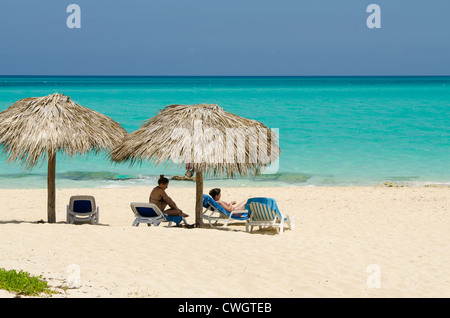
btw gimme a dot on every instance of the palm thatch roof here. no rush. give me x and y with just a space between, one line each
39 126
205 136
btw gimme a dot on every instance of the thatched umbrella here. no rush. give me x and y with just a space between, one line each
41 126
204 137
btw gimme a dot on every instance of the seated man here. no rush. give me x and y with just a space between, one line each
159 197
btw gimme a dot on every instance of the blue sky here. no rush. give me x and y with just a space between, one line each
212 37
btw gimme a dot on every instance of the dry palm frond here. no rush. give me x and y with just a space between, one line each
205 136
39 126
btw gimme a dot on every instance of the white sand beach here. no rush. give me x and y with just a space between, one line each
340 235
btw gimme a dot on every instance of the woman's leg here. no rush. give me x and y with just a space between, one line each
240 206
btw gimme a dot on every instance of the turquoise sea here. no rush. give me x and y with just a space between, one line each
334 131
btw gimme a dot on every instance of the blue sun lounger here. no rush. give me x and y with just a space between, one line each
149 213
214 212
264 212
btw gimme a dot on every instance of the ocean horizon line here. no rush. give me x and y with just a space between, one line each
235 76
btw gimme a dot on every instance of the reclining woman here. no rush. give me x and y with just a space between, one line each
229 207
159 197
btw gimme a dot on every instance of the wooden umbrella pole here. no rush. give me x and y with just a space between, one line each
199 199
51 188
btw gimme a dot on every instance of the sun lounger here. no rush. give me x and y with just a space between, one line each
214 212
264 212
149 213
82 208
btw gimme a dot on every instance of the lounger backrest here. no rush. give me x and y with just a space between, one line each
263 209
82 203
210 203
148 210
82 206
261 212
